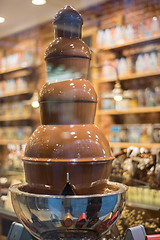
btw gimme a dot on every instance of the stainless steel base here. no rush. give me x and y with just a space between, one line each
51 217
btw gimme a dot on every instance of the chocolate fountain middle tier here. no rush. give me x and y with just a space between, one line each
68 102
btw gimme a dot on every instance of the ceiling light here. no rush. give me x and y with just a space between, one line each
2 19
38 2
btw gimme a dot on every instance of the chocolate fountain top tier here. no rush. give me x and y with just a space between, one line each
68 23
67 33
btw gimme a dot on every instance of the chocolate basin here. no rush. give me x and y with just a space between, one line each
55 153
67 217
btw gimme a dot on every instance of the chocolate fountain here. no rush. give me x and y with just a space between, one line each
67 159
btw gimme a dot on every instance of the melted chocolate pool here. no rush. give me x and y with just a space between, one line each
103 188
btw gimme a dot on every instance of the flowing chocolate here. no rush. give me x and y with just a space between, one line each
67 143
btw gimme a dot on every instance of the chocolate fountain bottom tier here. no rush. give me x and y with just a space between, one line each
84 177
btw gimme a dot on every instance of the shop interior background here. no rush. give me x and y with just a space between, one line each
124 37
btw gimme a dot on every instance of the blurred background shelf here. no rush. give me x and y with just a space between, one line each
18 142
15 93
143 206
129 111
16 118
18 68
131 76
130 43
128 144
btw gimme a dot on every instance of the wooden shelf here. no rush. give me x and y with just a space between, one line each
6 142
128 144
15 93
129 111
10 172
143 206
9 70
15 118
131 76
130 43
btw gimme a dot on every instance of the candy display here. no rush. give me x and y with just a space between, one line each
139 216
14 156
138 167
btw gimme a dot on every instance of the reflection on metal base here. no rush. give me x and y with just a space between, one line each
68 217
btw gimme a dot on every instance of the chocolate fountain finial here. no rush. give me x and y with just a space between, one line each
68 23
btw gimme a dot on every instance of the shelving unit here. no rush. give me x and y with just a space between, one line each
137 110
114 116
16 100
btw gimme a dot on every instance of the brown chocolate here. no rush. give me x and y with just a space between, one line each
104 188
69 90
67 47
68 144
53 112
68 23
53 175
68 102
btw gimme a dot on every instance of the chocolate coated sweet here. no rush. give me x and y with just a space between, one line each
67 149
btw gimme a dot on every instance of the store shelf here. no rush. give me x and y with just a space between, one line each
129 111
130 43
4 172
15 93
9 70
131 76
18 142
143 206
15 118
128 144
